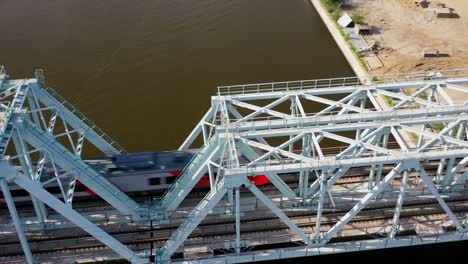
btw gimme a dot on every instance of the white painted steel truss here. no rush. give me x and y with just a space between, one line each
390 130
47 137
268 129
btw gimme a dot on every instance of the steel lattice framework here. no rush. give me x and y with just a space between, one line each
47 131
392 129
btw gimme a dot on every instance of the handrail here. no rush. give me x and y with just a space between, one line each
84 119
3 75
339 82
189 166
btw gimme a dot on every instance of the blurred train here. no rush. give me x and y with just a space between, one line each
137 173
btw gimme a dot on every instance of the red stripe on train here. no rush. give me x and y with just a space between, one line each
89 191
205 180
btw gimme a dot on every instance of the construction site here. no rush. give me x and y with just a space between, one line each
410 36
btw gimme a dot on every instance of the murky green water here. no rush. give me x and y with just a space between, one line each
144 70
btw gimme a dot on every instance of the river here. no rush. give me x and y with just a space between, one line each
144 70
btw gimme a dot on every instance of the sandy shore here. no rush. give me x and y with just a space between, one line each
405 30
353 61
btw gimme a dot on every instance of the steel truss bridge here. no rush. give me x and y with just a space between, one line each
398 177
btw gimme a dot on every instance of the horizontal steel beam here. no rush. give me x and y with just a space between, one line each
332 163
411 116
36 189
340 89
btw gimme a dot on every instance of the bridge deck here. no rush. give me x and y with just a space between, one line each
400 179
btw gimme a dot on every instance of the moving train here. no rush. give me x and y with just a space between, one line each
136 173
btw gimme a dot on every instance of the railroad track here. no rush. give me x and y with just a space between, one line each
90 204
152 237
260 223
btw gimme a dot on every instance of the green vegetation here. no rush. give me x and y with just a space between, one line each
414 136
423 96
333 7
389 100
357 18
376 80
356 53
437 127
406 92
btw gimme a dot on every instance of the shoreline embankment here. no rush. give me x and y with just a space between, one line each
350 56
354 62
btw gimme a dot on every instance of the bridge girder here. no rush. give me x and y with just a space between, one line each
268 128
261 129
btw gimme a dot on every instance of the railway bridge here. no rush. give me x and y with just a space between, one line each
382 164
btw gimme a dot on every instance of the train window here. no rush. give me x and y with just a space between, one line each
16 193
154 181
112 169
170 180
179 159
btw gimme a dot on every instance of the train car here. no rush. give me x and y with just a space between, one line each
136 173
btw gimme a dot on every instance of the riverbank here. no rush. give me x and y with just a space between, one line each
345 48
353 58
415 37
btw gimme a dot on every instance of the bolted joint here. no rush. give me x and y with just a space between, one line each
410 164
7 171
234 181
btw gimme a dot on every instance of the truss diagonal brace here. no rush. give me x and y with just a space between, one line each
272 177
427 180
363 202
84 173
16 220
36 189
193 220
197 130
75 122
278 212
191 175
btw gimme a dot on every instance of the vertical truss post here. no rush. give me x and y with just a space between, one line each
440 169
230 199
237 220
304 175
17 221
401 196
33 108
421 137
449 175
211 176
376 173
27 168
373 170
362 106
294 113
318 219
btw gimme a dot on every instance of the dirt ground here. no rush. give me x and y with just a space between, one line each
404 31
